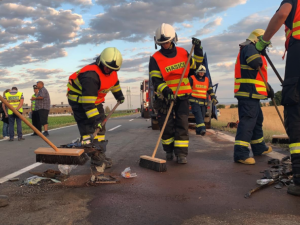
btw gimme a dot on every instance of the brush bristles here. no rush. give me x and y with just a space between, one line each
159 167
66 160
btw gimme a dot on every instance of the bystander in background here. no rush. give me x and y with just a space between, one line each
16 99
4 119
42 105
34 113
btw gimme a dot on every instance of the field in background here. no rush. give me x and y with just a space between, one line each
56 122
271 125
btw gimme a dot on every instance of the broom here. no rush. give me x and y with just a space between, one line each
65 156
150 162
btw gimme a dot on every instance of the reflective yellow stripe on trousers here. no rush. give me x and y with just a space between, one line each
181 143
167 141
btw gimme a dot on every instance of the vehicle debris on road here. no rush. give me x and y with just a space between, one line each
127 173
280 174
3 200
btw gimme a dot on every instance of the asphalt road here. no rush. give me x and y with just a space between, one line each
209 189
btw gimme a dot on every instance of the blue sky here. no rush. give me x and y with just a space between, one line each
49 40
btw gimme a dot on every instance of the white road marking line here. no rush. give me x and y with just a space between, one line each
131 120
48 130
272 154
114 128
15 174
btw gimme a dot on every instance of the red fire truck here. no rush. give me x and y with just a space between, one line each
144 96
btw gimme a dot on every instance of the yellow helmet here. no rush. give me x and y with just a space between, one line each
111 57
253 37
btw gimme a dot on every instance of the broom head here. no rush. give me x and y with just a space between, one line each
152 163
66 156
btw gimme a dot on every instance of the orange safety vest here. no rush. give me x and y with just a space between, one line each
172 69
295 32
258 81
200 88
107 82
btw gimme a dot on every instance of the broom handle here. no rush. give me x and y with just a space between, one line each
268 88
28 124
172 103
107 118
273 67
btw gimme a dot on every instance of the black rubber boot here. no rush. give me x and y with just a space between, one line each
169 156
203 132
98 158
294 190
181 159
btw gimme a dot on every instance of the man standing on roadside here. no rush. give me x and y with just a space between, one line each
16 99
289 14
34 113
42 105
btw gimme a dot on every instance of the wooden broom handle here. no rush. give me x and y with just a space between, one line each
28 123
268 88
107 118
172 103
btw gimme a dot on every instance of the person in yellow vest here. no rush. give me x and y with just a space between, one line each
289 15
166 67
87 89
16 99
34 113
249 89
200 88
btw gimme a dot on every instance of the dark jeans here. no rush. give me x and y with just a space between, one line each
36 121
12 119
199 113
249 130
5 129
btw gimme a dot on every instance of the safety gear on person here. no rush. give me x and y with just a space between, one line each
261 45
267 151
111 57
243 86
87 141
196 42
214 101
294 190
165 33
249 161
181 160
106 86
14 100
98 125
253 37
201 69
121 100
200 88
169 156
171 70
295 30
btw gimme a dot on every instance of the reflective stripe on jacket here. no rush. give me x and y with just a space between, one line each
200 88
107 84
251 88
14 100
295 32
33 103
172 69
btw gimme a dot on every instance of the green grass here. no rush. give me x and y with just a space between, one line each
56 122
219 125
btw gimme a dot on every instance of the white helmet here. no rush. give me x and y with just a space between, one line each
201 69
165 33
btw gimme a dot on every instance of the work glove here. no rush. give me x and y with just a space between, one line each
214 101
196 42
261 45
121 99
87 141
168 94
271 92
98 125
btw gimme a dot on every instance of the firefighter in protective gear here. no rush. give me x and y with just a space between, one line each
289 15
87 89
200 88
249 89
166 67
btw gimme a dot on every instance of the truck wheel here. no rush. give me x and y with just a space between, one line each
154 124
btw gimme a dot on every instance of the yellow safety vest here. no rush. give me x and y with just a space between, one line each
33 103
14 100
